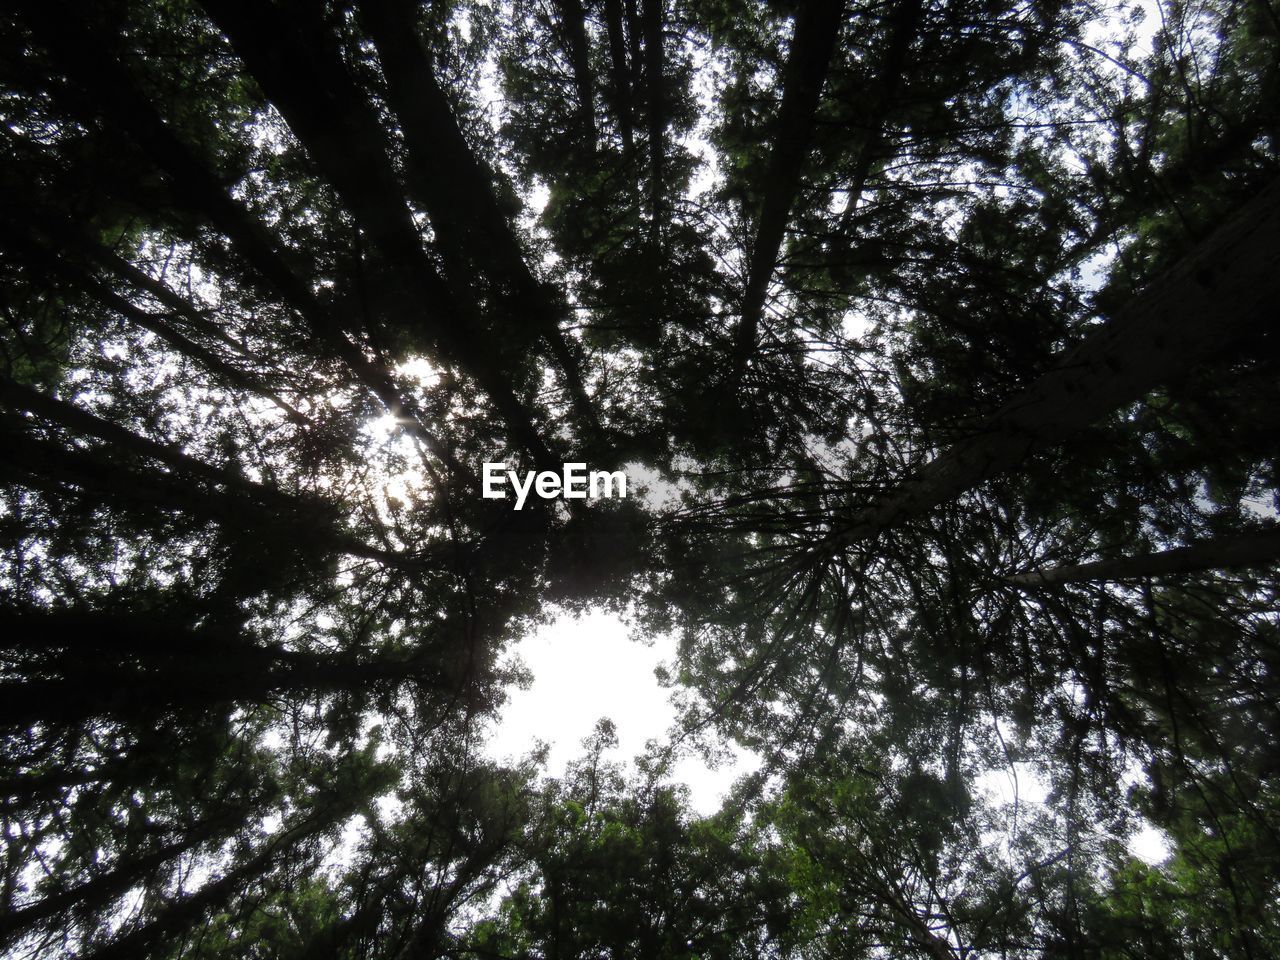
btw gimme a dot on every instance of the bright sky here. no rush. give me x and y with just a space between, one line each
588 667
585 668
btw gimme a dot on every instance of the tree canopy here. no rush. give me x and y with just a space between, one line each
943 336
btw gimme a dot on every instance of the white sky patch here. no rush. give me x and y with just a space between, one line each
657 491
1023 783
708 79
588 667
1151 845
1141 20
1019 782
537 198
420 370
1263 508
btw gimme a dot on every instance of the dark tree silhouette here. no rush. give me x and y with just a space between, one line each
946 328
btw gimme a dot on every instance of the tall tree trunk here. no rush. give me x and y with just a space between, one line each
136 665
36 254
1260 549
651 23
619 72
904 24
634 50
1221 293
189 348
573 20
293 58
110 91
49 466
457 191
80 422
240 502
816 31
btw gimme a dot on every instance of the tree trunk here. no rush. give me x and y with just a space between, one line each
1259 549
619 72
1223 292
100 891
634 50
573 20
456 189
95 663
83 56
651 23
50 251
239 506
299 68
904 24
816 31
81 423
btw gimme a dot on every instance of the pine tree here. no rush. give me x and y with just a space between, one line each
951 323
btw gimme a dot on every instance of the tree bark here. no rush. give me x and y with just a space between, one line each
456 189
81 422
1223 292
1259 549
651 23
903 26
239 505
95 663
210 360
816 31
295 62
573 20
110 92
619 72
